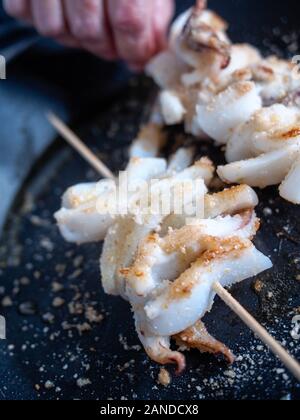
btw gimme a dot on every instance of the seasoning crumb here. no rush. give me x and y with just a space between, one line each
164 378
58 302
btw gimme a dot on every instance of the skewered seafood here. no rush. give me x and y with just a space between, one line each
229 93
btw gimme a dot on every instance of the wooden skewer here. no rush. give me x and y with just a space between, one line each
292 365
78 145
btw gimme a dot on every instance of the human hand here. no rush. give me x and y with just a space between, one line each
131 30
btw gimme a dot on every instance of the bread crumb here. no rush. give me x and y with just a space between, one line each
164 378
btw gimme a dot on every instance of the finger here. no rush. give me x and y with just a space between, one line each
88 24
19 9
131 24
48 17
162 16
68 41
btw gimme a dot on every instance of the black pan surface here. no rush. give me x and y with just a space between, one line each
49 289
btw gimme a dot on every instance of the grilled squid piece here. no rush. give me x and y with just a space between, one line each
219 115
241 57
188 298
231 201
190 97
205 31
276 81
240 144
274 128
231 94
118 256
197 337
202 169
158 350
181 159
88 209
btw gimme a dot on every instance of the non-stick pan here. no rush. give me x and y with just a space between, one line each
55 349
